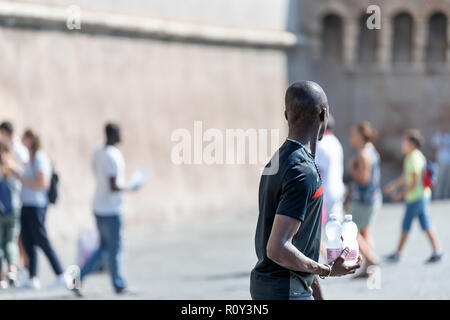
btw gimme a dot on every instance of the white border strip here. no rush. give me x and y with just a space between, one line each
152 27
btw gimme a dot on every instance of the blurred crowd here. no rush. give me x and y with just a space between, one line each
29 184
362 196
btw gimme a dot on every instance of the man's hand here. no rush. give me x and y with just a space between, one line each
397 197
389 188
339 269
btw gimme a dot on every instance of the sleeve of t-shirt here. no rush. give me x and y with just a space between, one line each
21 153
42 164
418 164
414 165
295 194
111 165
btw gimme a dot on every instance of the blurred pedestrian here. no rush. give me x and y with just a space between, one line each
35 181
365 196
330 161
19 150
441 154
22 157
9 218
410 187
109 168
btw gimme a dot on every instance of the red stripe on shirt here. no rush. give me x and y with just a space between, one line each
318 192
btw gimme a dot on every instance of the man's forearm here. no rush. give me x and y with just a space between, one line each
291 258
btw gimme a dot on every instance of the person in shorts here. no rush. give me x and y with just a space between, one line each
410 187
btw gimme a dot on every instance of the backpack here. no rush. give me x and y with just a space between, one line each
5 198
430 174
52 192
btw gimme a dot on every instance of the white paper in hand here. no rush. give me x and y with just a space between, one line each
138 178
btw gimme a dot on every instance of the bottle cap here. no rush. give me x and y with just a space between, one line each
348 217
333 216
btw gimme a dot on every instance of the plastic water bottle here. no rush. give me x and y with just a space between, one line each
333 230
350 233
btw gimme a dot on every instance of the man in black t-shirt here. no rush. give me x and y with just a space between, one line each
288 232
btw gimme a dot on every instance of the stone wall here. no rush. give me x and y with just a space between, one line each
68 85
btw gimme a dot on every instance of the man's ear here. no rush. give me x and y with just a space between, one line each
285 115
322 115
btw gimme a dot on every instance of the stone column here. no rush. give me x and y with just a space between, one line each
447 56
384 47
420 33
350 42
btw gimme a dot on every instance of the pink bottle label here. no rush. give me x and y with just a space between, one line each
333 254
352 255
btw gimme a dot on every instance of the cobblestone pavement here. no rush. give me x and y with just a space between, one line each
210 258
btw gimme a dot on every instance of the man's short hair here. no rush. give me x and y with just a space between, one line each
111 129
415 137
8 127
303 100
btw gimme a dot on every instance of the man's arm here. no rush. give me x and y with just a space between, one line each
390 188
407 188
281 250
114 186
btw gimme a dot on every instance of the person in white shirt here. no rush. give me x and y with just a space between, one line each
35 179
441 153
19 150
330 161
109 167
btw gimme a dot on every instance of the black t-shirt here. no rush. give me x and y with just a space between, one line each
295 190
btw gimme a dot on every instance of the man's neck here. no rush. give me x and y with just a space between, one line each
308 139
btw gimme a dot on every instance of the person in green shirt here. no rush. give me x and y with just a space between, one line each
410 187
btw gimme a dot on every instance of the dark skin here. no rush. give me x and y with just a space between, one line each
280 248
112 140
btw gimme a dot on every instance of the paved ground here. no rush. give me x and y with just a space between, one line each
210 258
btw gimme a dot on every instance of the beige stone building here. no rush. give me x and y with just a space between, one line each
155 66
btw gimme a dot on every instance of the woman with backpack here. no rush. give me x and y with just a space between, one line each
9 219
35 181
414 190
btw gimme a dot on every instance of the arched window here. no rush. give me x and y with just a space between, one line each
437 38
332 37
403 38
367 42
